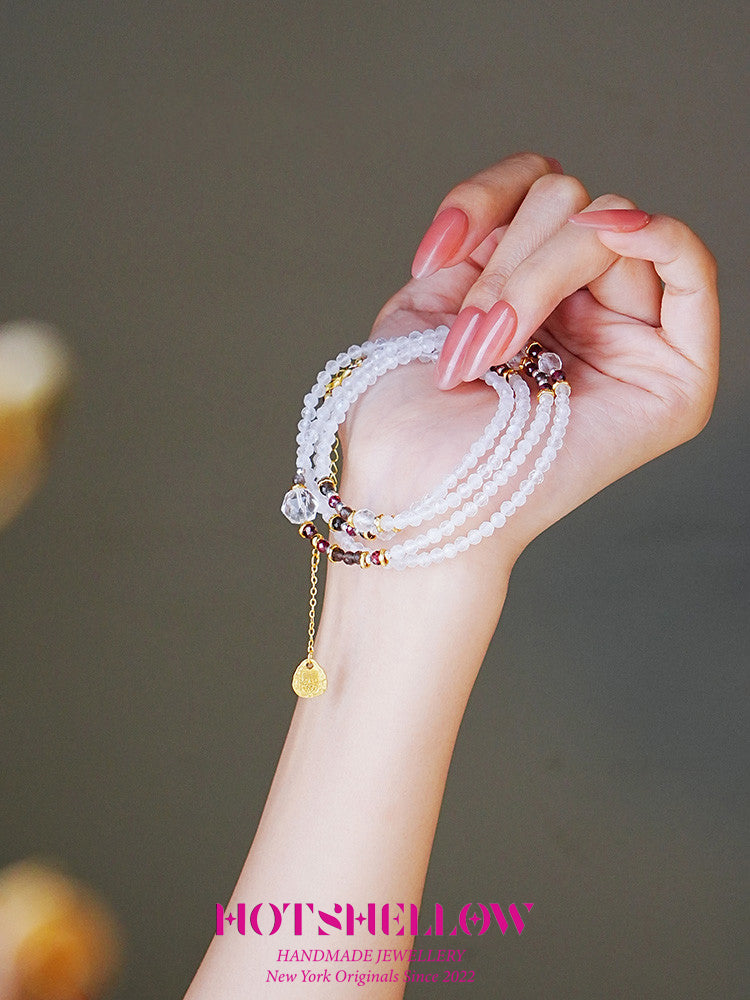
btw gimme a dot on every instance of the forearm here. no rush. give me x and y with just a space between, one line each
352 811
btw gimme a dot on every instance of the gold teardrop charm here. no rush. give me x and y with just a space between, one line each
309 679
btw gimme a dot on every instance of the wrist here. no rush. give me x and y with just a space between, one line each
410 627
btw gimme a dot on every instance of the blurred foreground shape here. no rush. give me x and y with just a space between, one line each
35 378
57 940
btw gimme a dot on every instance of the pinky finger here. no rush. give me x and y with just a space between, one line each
690 306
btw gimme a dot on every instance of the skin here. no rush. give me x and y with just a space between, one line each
352 811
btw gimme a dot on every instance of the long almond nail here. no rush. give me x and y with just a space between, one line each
491 338
441 241
451 357
613 220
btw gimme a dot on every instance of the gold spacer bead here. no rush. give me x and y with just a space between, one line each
384 559
542 391
561 382
364 559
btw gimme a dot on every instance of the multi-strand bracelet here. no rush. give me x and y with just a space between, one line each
491 462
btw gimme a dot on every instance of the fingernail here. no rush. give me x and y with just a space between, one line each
491 338
441 241
451 357
555 164
613 220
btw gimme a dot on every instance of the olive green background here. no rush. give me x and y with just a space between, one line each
210 200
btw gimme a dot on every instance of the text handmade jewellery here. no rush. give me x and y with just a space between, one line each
495 458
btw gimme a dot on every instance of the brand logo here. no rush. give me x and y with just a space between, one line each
399 919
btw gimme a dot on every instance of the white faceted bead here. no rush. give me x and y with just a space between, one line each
507 508
433 536
470 509
474 537
498 520
485 529
450 551
462 543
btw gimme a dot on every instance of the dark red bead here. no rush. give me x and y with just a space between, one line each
337 554
334 500
322 545
307 530
557 376
326 487
337 523
350 530
351 558
375 557
345 511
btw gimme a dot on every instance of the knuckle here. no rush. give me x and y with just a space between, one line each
561 188
488 288
530 162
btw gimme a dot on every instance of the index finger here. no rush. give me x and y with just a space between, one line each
469 213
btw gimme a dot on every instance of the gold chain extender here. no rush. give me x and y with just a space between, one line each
309 678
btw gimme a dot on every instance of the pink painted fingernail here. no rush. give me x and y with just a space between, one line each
451 357
441 241
491 339
613 220
555 164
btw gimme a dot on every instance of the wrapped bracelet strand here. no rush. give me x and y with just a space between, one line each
492 461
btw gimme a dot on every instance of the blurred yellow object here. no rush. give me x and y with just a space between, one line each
35 376
57 941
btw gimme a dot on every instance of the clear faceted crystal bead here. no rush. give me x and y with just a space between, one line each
364 521
299 505
549 362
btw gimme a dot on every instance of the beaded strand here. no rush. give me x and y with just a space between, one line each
492 461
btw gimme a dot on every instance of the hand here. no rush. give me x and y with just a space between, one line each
502 263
